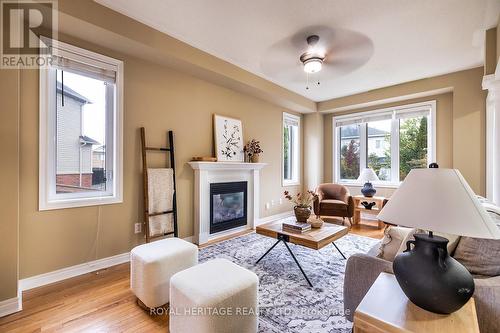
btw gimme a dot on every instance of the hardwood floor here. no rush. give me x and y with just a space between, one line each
367 228
98 302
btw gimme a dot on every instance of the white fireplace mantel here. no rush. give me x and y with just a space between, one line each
226 166
206 173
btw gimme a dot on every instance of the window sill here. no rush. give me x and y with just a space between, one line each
75 203
286 183
394 186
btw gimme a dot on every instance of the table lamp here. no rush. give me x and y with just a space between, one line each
436 200
367 176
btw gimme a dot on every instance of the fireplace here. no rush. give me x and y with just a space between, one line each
213 173
228 206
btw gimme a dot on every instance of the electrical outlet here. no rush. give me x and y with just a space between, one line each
138 228
281 201
272 202
267 205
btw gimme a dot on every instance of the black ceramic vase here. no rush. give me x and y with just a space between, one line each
430 277
368 190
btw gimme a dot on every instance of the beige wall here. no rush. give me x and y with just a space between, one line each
159 99
9 178
313 150
444 136
490 51
468 117
498 39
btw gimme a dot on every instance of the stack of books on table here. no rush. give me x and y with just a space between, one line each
299 227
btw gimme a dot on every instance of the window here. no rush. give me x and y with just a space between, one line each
80 129
349 152
291 149
390 141
379 148
413 144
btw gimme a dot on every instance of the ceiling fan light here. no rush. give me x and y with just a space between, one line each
313 65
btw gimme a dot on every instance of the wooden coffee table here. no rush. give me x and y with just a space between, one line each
314 239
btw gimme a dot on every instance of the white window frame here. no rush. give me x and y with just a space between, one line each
48 198
296 153
431 141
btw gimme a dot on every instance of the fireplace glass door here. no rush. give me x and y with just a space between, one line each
228 206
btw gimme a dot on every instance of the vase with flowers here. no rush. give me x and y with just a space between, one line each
303 203
252 150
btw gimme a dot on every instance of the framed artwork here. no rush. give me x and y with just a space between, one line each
228 135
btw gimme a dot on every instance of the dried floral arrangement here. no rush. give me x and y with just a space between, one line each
303 200
252 148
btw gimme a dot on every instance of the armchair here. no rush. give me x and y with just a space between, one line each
334 200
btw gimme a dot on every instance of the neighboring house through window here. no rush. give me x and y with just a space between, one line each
390 141
74 150
80 129
291 150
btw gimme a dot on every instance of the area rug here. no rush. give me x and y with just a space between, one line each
286 302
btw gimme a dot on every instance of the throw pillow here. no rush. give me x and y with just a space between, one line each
480 256
393 236
452 240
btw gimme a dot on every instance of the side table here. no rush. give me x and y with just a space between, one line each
358 208
386 309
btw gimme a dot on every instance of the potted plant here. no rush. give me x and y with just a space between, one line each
252 150
303 202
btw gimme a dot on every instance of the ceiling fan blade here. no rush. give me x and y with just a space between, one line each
278 60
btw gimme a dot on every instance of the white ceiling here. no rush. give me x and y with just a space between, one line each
372 44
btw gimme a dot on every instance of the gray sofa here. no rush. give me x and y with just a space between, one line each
363 269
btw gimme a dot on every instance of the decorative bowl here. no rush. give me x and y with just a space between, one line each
316 223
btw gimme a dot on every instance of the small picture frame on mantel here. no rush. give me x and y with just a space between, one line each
228 139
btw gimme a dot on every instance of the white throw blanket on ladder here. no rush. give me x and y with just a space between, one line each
161 199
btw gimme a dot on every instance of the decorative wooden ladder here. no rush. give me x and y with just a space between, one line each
147 214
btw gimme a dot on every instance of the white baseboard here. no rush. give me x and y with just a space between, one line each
11 305
69 272
274 217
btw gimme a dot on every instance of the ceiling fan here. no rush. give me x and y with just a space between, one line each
332 51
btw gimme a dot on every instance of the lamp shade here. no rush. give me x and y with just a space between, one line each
439 200
368 175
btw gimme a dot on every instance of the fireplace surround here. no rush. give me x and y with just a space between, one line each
207 173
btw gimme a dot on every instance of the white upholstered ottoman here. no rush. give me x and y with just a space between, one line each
153 264
214 297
